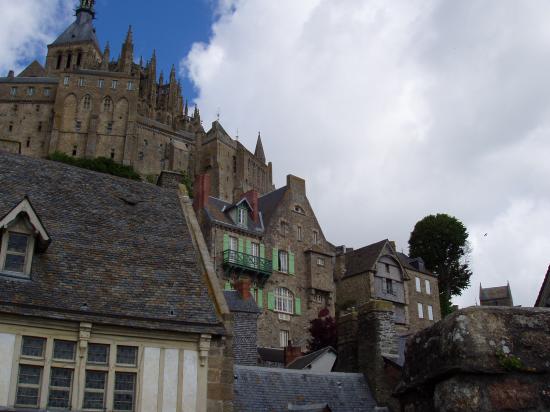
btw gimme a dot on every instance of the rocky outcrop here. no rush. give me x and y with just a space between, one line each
480 359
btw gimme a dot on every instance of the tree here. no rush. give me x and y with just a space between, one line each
323 331
98 164
442 242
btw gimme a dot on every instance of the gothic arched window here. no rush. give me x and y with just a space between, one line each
87 103
107 104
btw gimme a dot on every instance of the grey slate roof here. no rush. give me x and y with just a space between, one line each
306 360
268 203
237 304
260 389
545 286
121 252
217 210
81 31
363 259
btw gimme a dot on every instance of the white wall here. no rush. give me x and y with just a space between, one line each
7 346
324 363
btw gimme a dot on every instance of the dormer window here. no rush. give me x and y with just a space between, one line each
22 234
241 216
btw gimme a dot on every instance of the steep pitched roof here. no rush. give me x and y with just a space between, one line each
260 389
363 259
81 31
34 69
216 211
259 152
306 360
544 287
268 203
121 252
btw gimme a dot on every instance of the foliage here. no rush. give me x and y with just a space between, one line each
508 361
99 164
323 331
442 242
187 181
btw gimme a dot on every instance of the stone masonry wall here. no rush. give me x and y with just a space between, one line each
480 359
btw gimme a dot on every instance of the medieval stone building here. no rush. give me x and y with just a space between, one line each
84 104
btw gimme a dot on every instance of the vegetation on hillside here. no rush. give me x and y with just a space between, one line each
99 164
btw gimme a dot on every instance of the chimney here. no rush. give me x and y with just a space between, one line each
11 74
202 191
296 184
291 353
243 287
252 197
393 245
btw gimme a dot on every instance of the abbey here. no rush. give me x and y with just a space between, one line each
84 104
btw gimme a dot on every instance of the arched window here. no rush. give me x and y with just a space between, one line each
107 104
87 104
58 65
284 301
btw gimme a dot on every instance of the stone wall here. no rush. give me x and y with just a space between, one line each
480 359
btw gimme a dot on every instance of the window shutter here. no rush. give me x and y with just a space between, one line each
241 245
298 306
262 250
275 257
248 247
227 286
270 301
291 263
225 241
260 301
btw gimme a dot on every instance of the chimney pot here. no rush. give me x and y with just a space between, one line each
243 287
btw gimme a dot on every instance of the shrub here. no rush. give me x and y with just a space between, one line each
99 164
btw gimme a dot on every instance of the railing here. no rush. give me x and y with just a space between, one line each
247 262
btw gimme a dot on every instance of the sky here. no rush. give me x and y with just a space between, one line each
390 110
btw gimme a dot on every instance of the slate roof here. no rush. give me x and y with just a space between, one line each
499 292
81 31
363 259
121 252
545 283
237 304
34 69
268 203
304 361
260 389
406 262
216 211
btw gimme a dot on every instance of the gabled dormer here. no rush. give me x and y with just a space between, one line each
22 235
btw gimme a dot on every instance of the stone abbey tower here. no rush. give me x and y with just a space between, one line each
84 104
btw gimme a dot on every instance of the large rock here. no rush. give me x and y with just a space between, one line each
480 359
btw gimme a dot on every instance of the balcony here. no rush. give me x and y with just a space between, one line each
247 263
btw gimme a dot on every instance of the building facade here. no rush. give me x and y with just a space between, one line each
496 296
84 104
107 302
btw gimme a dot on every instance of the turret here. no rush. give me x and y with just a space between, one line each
127 56
106 57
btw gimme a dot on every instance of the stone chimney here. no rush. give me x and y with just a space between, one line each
292 353
252 197
11 74
202 191
393 245
243 287
296 184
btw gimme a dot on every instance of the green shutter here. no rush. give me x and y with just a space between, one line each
260 301
241 246
227 285
291 263
225 241
298 306
275 257
248 247
270 301
262 250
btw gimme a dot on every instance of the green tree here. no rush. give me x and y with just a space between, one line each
442 242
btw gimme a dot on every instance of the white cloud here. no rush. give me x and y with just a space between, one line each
27 26
394 110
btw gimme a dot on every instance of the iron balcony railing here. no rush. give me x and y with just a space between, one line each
247 262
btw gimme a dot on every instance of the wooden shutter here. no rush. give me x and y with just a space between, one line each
275 257
260 301
227 286
298 306
225 241
248 247
241 245
270 301
291 263
262 250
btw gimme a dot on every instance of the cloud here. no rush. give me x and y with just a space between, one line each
27 26
395 110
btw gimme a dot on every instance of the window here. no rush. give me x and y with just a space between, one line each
64 350
299 209
315 237
75 149
78 59
428 286
82 82
420 311
66 81
112 154
69 58
387 266
37 108
114 84
13 91
58 64
418 287
39 126
241 216
98 354
255 249
126 355
100 83
430 312
60 388
389 287
94 389
28 386
234 164
78 125
30 91
233 247
284 301
140 156
87 102
109 127
284 337
125 387
16 253
320 261
28 142
107 104
299 233
47 92
10 127
33 347
283 261
318 298
130 85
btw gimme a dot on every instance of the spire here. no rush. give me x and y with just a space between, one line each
259 152
186 107
173 74
106 57
161 79
129 36
127 56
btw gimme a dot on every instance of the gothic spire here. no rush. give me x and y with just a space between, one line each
259 152
129 36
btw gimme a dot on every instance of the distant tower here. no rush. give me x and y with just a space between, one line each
259 152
